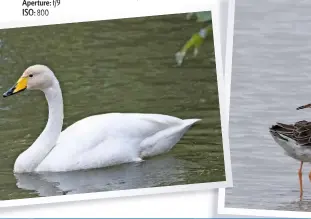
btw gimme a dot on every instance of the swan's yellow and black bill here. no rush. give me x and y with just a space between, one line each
20 85
304 106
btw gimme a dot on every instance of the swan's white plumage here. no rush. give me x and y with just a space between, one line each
114 138
96 141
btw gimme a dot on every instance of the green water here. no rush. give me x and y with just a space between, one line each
112 66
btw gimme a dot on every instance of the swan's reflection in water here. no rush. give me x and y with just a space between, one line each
159 171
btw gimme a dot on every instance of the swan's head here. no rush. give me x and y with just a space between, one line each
36 77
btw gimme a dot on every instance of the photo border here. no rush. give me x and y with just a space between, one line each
144 10
247 212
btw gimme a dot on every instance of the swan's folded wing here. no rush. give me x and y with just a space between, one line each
101 140
90 132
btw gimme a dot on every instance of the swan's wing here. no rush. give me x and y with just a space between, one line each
123 125
90 132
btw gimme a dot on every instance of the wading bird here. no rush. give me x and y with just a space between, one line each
295 139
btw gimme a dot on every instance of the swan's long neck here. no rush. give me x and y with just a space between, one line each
35 154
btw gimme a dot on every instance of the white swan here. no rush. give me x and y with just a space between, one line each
96 141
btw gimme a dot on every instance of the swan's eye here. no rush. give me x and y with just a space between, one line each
31 76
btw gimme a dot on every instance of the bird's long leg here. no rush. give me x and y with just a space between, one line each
300 179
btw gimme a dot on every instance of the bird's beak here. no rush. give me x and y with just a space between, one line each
304 106
20 85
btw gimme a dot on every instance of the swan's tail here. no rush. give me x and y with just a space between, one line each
190 122
164 140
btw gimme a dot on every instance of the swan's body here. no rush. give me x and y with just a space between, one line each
114 138
96 141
